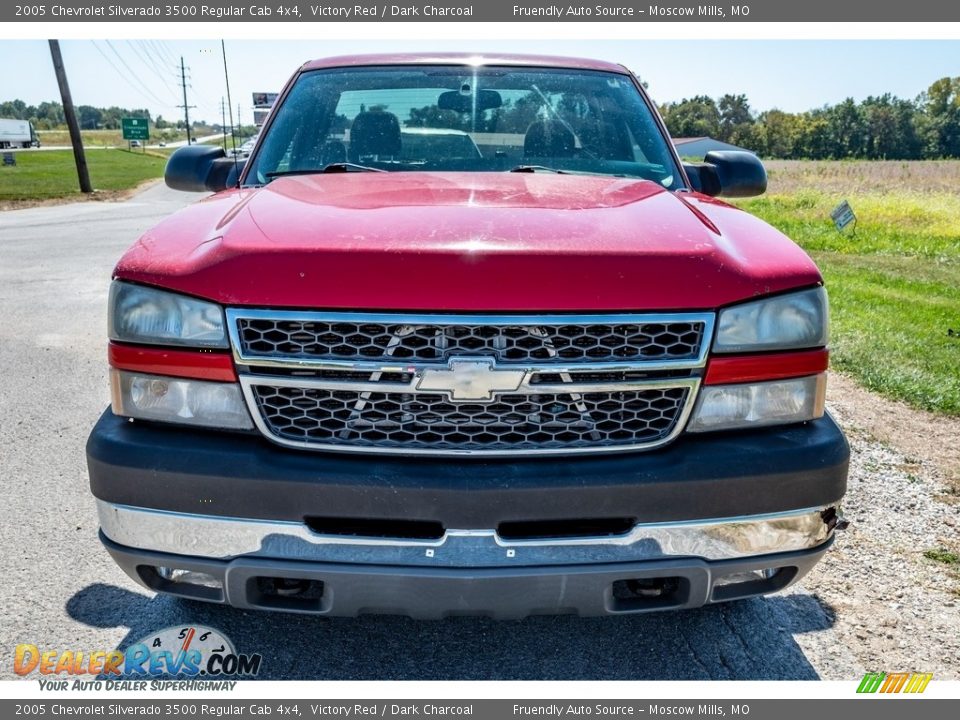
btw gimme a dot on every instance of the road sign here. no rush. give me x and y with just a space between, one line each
843 215
135 128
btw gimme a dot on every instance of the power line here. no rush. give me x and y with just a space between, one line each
140 89
143 58
151 65
164 51
226 77
158 62
133 74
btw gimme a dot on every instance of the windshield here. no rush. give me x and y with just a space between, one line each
483 119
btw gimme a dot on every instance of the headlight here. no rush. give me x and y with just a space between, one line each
785 322
724 407
140 314
176 400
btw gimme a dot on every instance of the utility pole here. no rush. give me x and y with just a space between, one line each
83 175
239 125
226 78
223 123
185 106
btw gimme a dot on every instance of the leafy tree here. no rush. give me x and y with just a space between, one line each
779 132
89 117
14 110
516 115
847 130
693 117
812 141
939 118
430 116
735 118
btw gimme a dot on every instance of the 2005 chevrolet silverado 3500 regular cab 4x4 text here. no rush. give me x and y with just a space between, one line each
464 335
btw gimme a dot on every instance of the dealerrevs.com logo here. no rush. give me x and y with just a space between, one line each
910 683
192 652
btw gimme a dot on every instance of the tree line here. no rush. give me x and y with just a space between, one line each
877 128
883 127
49 116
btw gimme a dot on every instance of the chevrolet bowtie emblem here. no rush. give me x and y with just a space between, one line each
471 379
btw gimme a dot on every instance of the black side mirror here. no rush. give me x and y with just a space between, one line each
202 168
728 173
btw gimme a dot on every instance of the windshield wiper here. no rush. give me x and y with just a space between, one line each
337 167
538 168
558 171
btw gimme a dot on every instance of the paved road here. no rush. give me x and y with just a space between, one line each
175 144
61 590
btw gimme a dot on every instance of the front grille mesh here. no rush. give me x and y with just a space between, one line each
427 421
351 381
314 339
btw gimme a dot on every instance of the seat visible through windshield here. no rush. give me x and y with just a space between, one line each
446 118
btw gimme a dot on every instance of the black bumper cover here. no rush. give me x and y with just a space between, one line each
697 477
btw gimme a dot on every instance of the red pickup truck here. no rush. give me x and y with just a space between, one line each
464 335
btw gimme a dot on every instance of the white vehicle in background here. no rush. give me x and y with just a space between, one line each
247 147
17 134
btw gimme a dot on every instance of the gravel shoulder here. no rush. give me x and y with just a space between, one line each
894 608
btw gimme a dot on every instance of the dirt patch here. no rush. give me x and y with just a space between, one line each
95 196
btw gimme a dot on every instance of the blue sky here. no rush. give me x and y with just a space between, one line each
790 75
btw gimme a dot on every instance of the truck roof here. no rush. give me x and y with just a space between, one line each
452 58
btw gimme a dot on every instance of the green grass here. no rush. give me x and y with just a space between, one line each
894 285
52 174
942 555
106 138
894 223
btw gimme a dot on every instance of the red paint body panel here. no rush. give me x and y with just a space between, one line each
198 364
467 242
723 370
451 58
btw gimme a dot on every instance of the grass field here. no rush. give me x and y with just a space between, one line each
105 138
895 283
52 174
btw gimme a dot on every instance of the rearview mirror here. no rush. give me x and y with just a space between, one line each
202 168
728 173
464 102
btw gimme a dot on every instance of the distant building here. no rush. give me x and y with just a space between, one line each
697 147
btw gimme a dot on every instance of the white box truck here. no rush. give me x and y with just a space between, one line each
17 134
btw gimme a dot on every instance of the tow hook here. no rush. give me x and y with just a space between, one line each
834 519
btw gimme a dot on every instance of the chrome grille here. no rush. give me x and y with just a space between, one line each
469 384
571 342
431 421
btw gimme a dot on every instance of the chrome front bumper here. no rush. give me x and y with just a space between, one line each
221 538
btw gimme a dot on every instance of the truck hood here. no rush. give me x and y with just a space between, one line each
469 242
